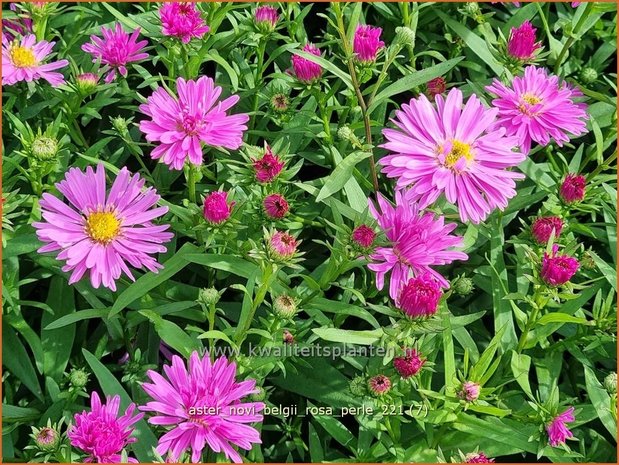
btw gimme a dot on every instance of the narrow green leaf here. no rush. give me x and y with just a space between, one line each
340 175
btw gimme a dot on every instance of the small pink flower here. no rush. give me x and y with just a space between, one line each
363 236
275 206
521 44
367 43
469 391
542 228
379 385
557 431
22 60
436 86
268 167
305 70
410 364
182 20
558 269
477 457
573 188
282 245
216 207
420 296
266 17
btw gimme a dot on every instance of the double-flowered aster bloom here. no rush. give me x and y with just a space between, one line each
22 60
182 20
557 429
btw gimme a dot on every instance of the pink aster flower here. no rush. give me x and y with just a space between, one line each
557 430
266 17
469 391
542 228
573 188
275 206
216 207
537 109
410 364
305 70
99 231
420 296
454 150
436 86
181 124
522 44
379 385
363 236
558 269
268 167
282 245
418 241
182 20
367 43
203 405
477 457
101 433
116 50
22 60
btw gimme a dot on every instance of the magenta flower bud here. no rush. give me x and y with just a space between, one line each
305 70
477 457
542 228
521 44
363 236
436 86
266 17
573 188
275 206
282 245
469 391
558 269
268 167
410 364
87 82
379 385
557 430
287 337
216 207
420 296
367 43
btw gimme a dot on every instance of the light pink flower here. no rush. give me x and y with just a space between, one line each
558 269
181 124
282 245
469 391
522 44
418 241
216 207
535 108
116 50
453 150
222 420
268 167
275 206
379 385
542 228
363 236
367 43
99 231
305 70
101 433
573 188
182 20
22 60
410 364
557 430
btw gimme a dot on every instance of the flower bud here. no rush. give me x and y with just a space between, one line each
610 383
573 188
258 396
268 167
543 227
367 43
282 245
588 75
436 86
265 18
285 307
78 378
47 439
469 391
208 296
463 286
408 365
275 206
521 44
379 385
345 133
305 70
363 236
287 337
280 103
120 124
358 386
86 83
216 207
558 269
477 457
419 297
472 8
404 36
44 148
587 262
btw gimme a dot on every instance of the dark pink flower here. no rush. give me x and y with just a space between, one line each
364 236
477 457
436 86
275 206
521 44
182 20
282 245
469 391
573 188
558 269
305 70
268 167
379 385
542 228
266 17
216 207
410 364
557 431
367 43
420 296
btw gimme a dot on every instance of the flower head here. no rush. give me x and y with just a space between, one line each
86 82
436 86
44 148
282 245
268 167
558 269
275 206
557 430
182 20
419 297
367 43
279 103
266 17
101 433
477 457
305 70
46 438
469 391
410 364
379 385
454 150
536 108
363 236
284 306
543 227
216 207
573 188
418 241
100 231
203 405
116 50
22 60
521 44
181 124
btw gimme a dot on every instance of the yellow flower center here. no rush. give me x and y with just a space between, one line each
102 227
22 57
458 150
531 99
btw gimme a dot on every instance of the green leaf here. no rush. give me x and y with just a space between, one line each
337 430
325 64
521 364
348 336
77 316
19 362
601 401
172 334
341 175
563 318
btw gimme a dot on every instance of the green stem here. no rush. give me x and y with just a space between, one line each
570 40
537 307
258 78
605 165
268 275
192 177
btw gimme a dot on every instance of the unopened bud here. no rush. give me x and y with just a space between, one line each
78 378
44 148
358 386
260 395
208 296
404 36
463 286
284 307
610 383
46 439
588 75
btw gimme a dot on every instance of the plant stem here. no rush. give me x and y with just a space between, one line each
570 40
537 307
258 78
191 193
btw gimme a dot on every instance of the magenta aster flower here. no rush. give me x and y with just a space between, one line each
216 207
573 188
268 167
469 391
116 50
454 150
522 44
282 245
419 297
22 60
182 20
537 109
305 70
418 241
266 17
379 385
367 43
101 433
436 86
410 364
275 206
98 232
181 124
11 28
203 405
363 236
477 457
557 430
542 228
558 269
